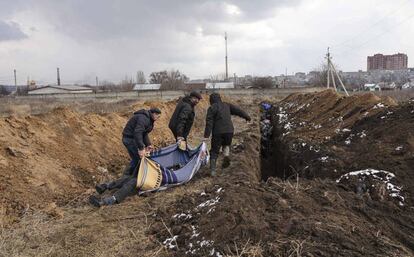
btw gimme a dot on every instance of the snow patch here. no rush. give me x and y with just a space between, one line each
381 175
378 105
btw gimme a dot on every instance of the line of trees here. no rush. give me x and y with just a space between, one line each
169 80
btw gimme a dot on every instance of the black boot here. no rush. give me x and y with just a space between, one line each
97 202
101 188
213 163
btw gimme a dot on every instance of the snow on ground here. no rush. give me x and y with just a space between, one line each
197 242
379 175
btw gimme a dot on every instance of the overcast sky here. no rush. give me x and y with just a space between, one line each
112 39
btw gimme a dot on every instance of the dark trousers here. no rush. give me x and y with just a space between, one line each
132 148
219 140
176 137
127 184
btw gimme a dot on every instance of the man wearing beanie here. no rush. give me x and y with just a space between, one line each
136 140
183 117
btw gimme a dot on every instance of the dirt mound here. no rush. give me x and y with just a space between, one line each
325 135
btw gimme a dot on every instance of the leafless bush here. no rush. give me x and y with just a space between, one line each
263 82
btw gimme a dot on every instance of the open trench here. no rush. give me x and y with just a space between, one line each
274 152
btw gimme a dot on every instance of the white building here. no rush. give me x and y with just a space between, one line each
372 87
66 89
143 87
219 85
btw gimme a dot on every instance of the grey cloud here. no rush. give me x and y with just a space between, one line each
106 19
11 31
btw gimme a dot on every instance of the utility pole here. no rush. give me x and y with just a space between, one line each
328 57
15 78
227 69
331 72
97 81
58 77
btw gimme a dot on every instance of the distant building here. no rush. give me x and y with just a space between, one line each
66 89
144 87
372 87
387 62
219 85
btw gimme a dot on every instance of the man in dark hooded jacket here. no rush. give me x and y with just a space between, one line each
183 117
136 140
219 124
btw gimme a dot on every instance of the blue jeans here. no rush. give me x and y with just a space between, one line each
132 148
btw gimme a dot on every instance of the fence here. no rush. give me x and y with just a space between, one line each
164 95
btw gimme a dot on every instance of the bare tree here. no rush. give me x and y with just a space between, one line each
171 80
158 77
141 77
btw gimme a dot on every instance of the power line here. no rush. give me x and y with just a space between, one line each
377 36
373 25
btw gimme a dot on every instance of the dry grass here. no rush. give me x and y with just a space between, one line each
289 248
246 250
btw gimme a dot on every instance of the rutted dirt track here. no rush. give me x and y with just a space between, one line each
316 138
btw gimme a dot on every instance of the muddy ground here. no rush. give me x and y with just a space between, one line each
291 203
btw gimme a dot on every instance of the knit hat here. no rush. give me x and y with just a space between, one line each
155 110
196 95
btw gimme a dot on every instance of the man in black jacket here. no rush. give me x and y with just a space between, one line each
219 124
183 117
136 140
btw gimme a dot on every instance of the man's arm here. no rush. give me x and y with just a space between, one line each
147 140
235 110
182 120
139 133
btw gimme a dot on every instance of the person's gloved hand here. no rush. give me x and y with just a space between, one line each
182 145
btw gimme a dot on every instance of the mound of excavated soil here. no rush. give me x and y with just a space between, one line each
325 135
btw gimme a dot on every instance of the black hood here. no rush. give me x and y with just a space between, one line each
143 111
187 99
215 98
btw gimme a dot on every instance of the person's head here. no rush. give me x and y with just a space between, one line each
155 113
195 97
215 98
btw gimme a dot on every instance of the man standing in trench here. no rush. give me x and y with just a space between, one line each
219 124
183 117
136 140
